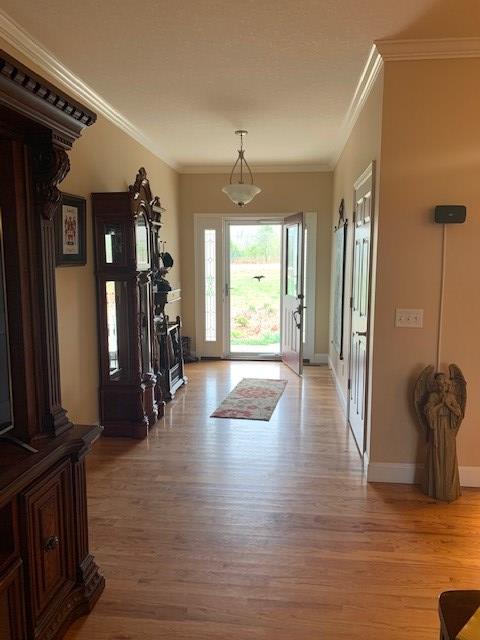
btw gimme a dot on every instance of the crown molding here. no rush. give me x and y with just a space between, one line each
225 169
368 77
429 49
396 50
24 42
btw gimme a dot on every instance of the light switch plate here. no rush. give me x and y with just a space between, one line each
412 318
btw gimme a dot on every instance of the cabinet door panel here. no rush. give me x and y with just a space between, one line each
12 621
49 537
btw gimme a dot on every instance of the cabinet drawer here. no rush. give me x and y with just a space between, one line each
49 539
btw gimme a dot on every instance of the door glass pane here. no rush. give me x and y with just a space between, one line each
210 286
145 328
305 245
113 243
115 292
141 242
292 260
255 288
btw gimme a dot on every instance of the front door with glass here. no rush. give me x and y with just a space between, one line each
250 287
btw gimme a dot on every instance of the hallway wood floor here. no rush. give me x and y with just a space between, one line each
240 530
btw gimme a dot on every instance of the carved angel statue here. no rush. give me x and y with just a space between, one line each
440 403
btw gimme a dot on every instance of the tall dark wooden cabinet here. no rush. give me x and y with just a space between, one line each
126 228
47 575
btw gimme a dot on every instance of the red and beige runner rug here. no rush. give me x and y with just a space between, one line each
252 399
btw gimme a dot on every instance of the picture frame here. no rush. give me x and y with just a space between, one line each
70 232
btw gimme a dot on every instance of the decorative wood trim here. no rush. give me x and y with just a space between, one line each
50 165
141 199
429 49
25 92
14 71
24 42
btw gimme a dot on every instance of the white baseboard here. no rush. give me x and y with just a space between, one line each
403 473
341 396
470 476
409 473
319 358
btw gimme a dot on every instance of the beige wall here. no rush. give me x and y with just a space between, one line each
103 159
430 155
281 193
362 147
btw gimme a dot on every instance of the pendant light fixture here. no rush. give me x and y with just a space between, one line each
240 192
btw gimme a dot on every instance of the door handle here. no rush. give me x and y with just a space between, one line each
297 322
51 543
362 334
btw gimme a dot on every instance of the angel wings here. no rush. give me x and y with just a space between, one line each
430 382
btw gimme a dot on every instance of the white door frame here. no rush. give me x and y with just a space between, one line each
310 279
218 221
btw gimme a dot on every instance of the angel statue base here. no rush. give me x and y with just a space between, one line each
440 403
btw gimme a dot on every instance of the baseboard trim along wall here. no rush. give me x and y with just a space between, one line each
319 358
404 473
341 396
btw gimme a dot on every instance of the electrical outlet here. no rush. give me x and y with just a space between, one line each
412 318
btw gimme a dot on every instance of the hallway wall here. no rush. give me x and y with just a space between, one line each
362 147
430 156
282 193
104 159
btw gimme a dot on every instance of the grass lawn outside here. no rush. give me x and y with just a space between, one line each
254 305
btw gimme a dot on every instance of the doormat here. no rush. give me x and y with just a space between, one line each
252 399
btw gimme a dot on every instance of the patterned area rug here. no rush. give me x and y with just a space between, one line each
252 399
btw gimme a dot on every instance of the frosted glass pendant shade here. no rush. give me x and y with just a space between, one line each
241 194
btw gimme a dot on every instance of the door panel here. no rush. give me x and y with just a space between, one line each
292 292
357 399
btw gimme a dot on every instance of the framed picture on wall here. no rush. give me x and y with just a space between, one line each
70 232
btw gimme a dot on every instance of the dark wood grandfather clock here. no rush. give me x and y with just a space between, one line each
47 575
126 228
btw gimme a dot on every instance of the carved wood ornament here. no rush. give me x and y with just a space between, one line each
51 165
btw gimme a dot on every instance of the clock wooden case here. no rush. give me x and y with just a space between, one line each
126 228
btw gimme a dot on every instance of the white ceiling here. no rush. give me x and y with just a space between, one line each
187 73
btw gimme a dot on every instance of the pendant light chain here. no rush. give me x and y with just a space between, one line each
241 193
242 159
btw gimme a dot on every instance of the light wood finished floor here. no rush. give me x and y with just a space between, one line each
240 530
